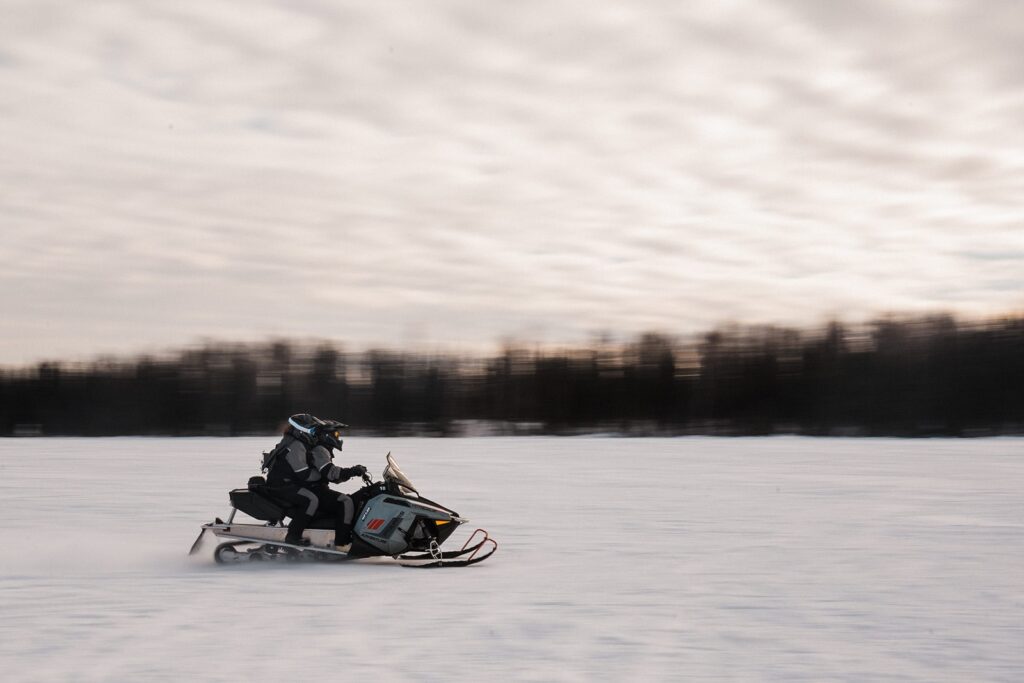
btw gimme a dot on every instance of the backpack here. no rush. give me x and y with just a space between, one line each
277 469
270 457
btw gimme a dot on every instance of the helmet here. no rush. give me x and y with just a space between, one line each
312 430
304 427
329 434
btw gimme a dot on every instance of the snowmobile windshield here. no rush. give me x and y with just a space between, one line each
394 473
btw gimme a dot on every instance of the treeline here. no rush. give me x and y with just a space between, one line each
905 377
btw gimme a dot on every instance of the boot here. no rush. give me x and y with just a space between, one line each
295 528
343 535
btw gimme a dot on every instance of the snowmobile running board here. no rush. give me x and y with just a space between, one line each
436 558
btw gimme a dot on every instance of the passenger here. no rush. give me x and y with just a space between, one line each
301 467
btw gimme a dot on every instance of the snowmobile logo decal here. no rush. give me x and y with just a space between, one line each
374 524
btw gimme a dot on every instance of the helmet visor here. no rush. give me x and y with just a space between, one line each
333 438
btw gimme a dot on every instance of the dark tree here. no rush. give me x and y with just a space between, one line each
931 375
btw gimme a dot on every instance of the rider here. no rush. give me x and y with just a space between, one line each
301 467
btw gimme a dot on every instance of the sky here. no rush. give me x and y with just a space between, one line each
456 173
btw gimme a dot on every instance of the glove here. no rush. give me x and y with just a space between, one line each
357 470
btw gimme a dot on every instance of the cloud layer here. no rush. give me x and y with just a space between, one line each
449 173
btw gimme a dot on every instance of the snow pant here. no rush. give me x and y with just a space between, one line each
319 502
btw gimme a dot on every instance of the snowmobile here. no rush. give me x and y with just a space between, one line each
391 520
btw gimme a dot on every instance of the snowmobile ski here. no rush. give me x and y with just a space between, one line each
444 561
438 554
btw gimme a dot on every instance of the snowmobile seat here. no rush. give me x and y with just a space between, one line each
257 506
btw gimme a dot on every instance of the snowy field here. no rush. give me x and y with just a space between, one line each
782 559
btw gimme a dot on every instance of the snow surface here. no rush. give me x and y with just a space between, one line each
784 559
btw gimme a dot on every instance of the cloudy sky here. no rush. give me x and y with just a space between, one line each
446 174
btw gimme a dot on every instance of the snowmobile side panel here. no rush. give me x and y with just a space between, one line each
387 522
